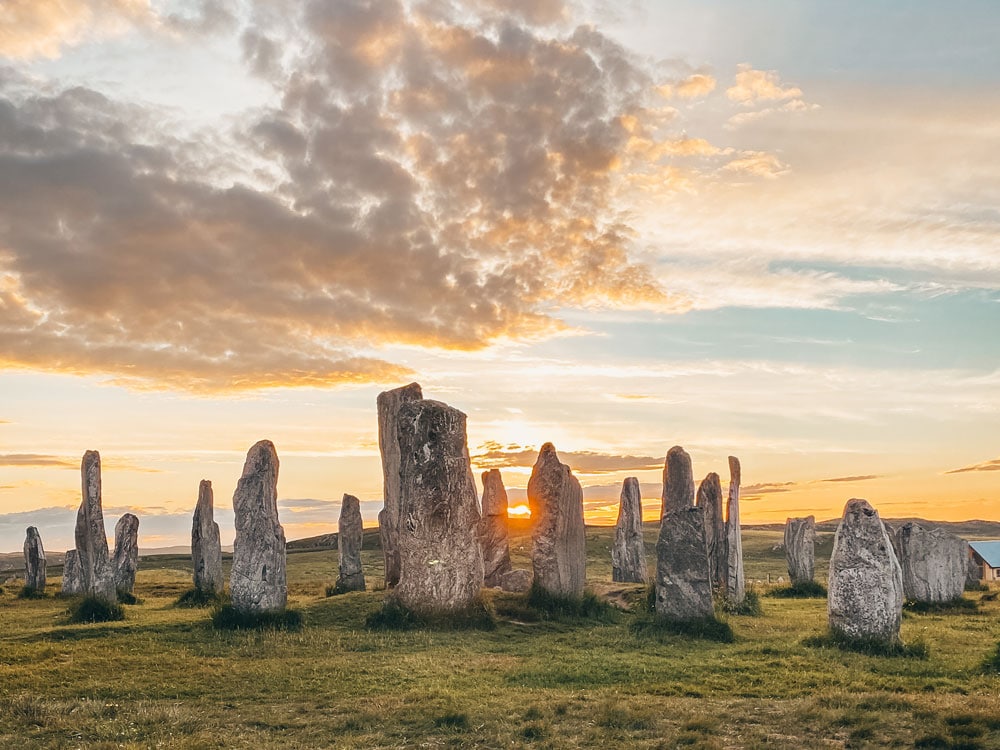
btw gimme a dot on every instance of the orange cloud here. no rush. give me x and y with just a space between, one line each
41 28
752 86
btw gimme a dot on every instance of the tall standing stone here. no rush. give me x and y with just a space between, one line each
257 581
350 535
735 583
493 529
34 561
678 481
710 499
126 558
559 543
440 558
628 555
389 403
974 572
683 582
72 577
206 544
934 563
800 549
91 540
865 598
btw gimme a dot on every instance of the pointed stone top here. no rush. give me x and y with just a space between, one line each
261 456
205 485
734 466
31 532
630 485
858 506
547 448
678 481
410 392
91 460
350 500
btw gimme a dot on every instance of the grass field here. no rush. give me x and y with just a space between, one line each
164 678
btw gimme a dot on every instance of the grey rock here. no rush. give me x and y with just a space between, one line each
91 540
735 580
125 561
493 529
710 499
517 580
206 544
934 563
974 572
72 577
558 552
866 582
257 582
683 582
678 481
800 549
628 555
389 404
440 558
34 561
350 535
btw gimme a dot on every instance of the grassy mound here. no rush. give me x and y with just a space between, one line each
227 617
704 628
869 646
193 598
30 592
549 606
127 597
394 616
800 590
749 607
92 609
959 605
991 665
335 589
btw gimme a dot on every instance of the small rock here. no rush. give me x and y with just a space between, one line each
517 580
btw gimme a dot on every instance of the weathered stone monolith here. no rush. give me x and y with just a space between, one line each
800 549
34 561
974 571
389 403
678 481
865 598
350 535
72 577
710 499
559 544
934 563
735 583
96 571
126 558
517 580
628 555
683 582
206 544
440 558
493 529
257 582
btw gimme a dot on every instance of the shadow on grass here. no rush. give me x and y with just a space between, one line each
127 597
703 628
991 664
338 588
30 592
955 606
392 615
93 609
868 646
195 598
800 590
228 617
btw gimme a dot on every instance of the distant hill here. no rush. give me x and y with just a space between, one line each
974 529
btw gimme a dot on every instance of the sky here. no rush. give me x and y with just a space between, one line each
762 228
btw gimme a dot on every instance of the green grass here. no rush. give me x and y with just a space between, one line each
30 592
869 646
228 617
93 609
959 605
549 606
193 598
554 683
991 664
705 628
392 615
749 607
800 590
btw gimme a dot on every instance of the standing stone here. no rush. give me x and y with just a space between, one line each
72 577
34 561
683 582
934 563
678 481
866 583
559 543
441 561
257 582
389 403
126 558
628 555
974 572
517 580
710 499
493 529
91 541
735 584
350 535
800 549
206 544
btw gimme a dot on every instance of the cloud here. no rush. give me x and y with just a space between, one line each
861 478
41 28
496 456
752 86
430 178
38 460
757 164
694 86
993 465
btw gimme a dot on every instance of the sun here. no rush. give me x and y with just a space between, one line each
519 511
